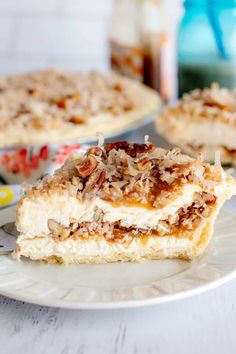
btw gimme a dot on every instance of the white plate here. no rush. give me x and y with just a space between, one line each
122 284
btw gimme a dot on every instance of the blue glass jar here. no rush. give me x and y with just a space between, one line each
207 44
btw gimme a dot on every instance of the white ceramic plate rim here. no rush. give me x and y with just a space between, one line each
74 305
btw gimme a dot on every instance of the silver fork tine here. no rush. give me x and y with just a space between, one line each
10 228
7 238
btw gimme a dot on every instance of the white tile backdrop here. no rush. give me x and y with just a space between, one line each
67 33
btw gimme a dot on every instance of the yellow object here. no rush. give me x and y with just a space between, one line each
6 195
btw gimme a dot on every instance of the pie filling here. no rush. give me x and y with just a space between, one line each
182 224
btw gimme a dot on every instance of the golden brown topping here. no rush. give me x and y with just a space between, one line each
131 149
127 172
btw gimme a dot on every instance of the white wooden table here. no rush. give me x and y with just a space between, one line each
202 324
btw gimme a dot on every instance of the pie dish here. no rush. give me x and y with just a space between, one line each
55 105
202 121
123 202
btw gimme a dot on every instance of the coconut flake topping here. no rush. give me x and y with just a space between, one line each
131 172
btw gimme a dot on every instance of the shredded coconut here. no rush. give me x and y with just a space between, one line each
132 172
100 139
209 103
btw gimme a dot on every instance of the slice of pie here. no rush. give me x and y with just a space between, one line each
203 121
123 202
54 105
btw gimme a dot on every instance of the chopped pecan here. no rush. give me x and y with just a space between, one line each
76 120
94 182
119 145
87 166
230 151
131 149
100 180
210 199
96 150
219 105
31 91
61 103
143 148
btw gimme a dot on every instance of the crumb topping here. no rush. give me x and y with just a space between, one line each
51 98
124 172
209 103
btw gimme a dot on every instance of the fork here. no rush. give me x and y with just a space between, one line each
8 234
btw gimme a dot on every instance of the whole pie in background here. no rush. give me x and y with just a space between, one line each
54 105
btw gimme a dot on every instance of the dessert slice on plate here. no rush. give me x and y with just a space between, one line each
203 121
123 202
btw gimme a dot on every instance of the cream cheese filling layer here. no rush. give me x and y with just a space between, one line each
33 214
70 249
209 133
